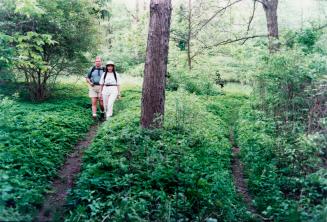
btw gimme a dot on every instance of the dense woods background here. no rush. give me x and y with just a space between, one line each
245 73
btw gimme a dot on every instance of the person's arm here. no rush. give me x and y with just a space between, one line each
101 84
118 85
88 80
101 88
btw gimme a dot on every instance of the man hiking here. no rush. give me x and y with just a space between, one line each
93 79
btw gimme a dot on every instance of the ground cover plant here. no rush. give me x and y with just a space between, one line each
35 139
286 179
181 172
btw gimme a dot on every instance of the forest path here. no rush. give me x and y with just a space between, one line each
238 175
53 206
228 107
239 181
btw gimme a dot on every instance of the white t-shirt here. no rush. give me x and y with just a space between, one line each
110 79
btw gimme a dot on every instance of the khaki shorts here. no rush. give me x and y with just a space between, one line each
94 91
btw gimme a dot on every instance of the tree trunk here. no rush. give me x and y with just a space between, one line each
189 59
145 4
155 69
137 11
270 8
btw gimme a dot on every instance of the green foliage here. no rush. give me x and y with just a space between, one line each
29 51
6 57
34 141
181 172
125 36
5 50
179 27
281 136
100 9
305 39
137 70
197 81
201 86
283 85
48 40
278 171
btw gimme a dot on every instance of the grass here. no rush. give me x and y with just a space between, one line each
237 88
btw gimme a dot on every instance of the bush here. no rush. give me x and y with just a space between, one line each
48 41
283 177
6 58
283 85
305 39
279 150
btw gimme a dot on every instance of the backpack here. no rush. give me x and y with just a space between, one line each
93 68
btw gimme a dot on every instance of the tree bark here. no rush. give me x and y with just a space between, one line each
145 3
137 11
270 8
189 58
155 69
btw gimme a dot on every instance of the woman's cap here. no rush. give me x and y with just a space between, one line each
110 63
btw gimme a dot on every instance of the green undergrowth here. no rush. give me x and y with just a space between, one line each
285 175
180 172
35 139
227 108
282 133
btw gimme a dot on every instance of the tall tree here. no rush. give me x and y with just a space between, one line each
137 10
270 8
155 69
47 40
189 58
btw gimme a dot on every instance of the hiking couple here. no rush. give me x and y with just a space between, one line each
104 86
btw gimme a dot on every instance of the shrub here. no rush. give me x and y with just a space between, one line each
283 86
280 156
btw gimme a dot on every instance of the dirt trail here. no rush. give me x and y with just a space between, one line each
52 208
238 177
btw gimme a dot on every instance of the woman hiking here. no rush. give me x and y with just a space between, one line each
109 88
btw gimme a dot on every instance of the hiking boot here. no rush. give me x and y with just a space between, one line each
102 116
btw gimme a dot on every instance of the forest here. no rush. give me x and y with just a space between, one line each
221 112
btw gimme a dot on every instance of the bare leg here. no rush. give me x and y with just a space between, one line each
94 105
101 104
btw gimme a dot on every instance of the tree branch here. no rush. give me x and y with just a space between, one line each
252 16
215 14
264 2
321 27
227 41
